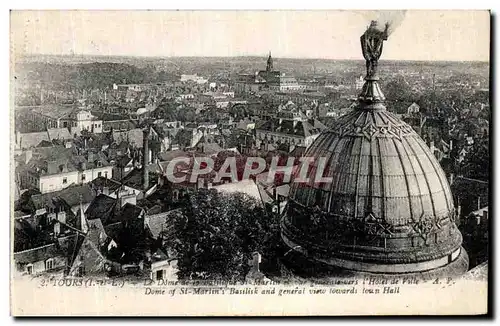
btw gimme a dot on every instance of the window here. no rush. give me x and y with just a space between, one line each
105 174
159 275
83 177
99 174
49 264
29 269
65 180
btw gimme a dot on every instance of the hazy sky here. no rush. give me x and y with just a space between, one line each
422 35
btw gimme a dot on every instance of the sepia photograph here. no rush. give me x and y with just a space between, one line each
250 163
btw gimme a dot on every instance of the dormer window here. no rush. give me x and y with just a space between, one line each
49 264
29 269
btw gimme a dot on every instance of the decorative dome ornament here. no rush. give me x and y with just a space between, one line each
388 208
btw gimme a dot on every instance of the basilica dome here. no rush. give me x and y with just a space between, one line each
387 208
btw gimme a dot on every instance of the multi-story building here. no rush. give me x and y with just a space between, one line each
41 118
288 129
284 83
60 167
194 78
268 79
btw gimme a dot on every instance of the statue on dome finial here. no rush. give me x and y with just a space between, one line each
371 44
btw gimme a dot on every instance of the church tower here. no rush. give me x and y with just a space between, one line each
269 66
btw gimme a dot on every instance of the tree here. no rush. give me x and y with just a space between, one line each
476 163
399 94
217 234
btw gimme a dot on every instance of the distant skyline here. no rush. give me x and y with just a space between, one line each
447 35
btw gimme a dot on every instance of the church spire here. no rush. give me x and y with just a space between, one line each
269 67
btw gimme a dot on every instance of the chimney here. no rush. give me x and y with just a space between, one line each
145 154
201 183
451 145
57 228
128 198
29 155
105 191
485 216
61 216
459 212
256 260
275 193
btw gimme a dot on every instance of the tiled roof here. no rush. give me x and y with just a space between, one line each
159 255
33 139
101 182
170 155
128 212
134 179
134 137
290 127
162 222
56 111
71 195
101 207
96 232
114 230
37 254
59 133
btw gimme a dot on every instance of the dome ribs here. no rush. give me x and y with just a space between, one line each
338 187
388 208
405 148
382 189
385 203
426 180
370 180
356 191
405 173
444 185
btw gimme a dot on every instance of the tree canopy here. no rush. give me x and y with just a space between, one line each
217 234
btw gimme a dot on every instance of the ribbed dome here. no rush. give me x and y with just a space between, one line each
389 202
388 207
379 165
